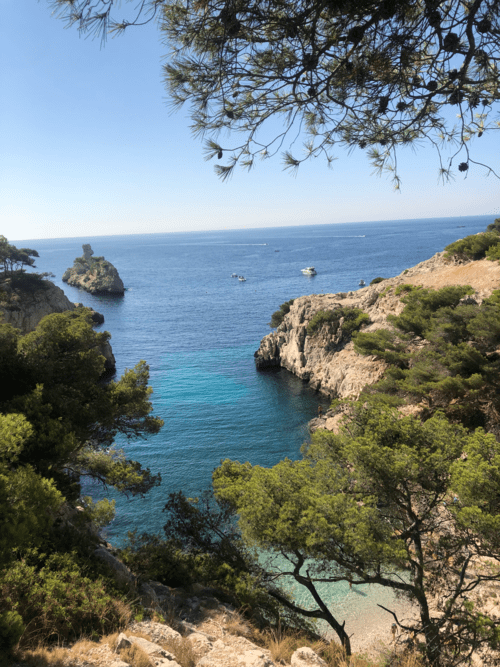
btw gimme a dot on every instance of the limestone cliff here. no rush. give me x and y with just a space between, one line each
24 308
328 360
94 274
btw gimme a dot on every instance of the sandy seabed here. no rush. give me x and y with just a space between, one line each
368 626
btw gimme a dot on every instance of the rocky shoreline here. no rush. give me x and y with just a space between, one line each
327 360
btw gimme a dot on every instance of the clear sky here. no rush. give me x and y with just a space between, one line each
89 146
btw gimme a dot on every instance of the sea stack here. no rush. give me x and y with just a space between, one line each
94 274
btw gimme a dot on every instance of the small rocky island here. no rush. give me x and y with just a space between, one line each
94 274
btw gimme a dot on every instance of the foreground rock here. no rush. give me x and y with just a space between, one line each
328 360
94 274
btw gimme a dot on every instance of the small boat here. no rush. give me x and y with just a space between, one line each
361 283
309 271
241 279
234 275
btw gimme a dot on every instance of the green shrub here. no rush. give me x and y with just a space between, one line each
58 602
457 370
406 288
385 291
29 282
474 246
493 253
320 318
422 303
278 316
381 343
11 630
376 280
354 319
494 227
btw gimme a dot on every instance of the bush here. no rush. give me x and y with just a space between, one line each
381 343
376 280
57 602
11 630
422 303
494 227
493 253
457 370
354 319
320 318
278 316
406 288
30 282
473 247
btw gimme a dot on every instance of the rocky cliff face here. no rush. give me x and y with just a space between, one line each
94 274
328 360
24 310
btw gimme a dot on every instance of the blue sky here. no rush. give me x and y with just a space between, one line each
89 146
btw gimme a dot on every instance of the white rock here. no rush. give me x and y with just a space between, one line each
121 571
123 642
200 643
150 648
306 657
228 656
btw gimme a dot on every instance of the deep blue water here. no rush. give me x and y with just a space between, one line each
198 329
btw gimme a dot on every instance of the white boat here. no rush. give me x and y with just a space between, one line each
241 279
309 271
361 283
234 275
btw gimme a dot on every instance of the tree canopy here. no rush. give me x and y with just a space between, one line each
388 500
58 421
373 74
14 259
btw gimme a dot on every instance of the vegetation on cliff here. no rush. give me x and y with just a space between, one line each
13 276
349 319
443 354
477 246
58 421
278 316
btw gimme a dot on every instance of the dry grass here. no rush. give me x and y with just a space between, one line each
282 643
43 657
183 651
58 656
136 657
236 625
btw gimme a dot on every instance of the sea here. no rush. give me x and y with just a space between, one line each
198 329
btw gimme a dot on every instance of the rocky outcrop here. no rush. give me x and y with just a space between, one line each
328 360
94 274
24 309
